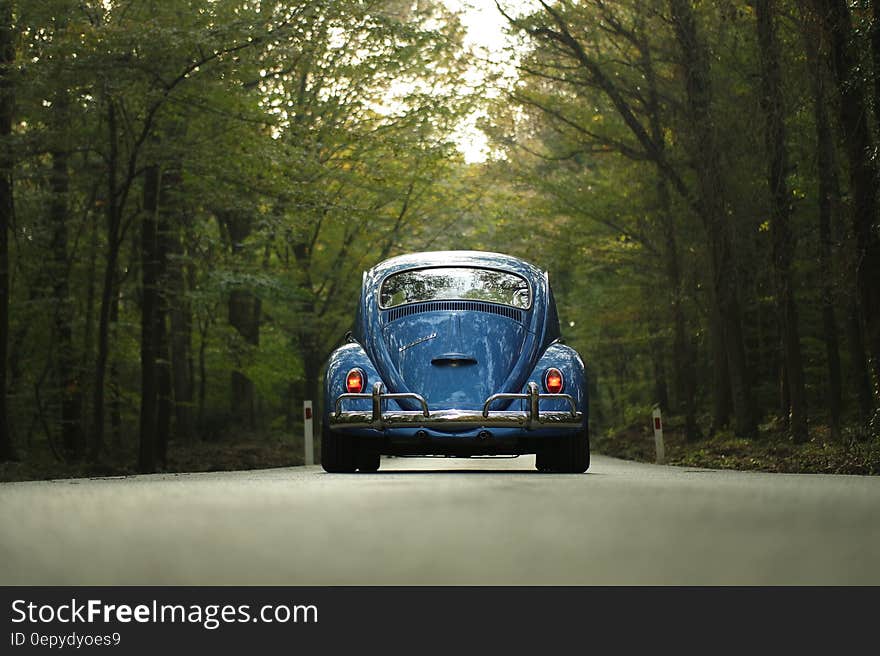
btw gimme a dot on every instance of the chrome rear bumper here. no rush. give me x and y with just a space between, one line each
531 419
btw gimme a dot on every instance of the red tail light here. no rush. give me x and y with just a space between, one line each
553 380
355 381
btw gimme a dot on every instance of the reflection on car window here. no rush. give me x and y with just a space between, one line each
460 283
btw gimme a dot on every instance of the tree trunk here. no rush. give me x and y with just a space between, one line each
711 195
853 112
166 236
784 391
661 389
861 378
109 285
834 388
163 349
181 346
7 107
203 374
163 389
88 351
312 361
65 376
684 366
308 338
783 246
244 316
875 53
682 348
829 204
149 314
721 405
177 362
115 385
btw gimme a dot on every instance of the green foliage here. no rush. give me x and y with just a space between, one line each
296 144
591 203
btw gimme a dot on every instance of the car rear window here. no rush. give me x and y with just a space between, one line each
455 283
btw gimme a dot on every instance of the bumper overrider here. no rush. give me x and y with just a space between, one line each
531 419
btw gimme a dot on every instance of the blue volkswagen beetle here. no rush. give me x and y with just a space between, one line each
455 353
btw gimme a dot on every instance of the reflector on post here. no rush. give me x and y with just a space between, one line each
659 447
308 434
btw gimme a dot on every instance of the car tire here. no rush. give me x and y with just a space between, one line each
544 461
338 454
575 454
367 459
569 454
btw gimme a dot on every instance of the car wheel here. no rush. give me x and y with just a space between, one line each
569 454
367 459
575 453
544 460
337 452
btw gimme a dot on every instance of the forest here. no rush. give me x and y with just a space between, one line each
190 190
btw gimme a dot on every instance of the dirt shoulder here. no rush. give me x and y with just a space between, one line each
771 451
224 455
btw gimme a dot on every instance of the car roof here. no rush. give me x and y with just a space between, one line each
483 259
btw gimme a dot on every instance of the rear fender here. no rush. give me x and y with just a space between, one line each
341 361
567 360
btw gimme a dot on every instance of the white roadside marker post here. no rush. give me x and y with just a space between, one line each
309 433
658 436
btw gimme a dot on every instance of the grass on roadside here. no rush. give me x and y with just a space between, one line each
227 454
771 451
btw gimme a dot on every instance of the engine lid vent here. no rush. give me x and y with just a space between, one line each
448 306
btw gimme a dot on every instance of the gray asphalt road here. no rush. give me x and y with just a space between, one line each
445 521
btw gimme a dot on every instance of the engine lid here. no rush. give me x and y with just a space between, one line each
453 359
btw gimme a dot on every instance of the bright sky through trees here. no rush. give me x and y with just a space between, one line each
486 38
